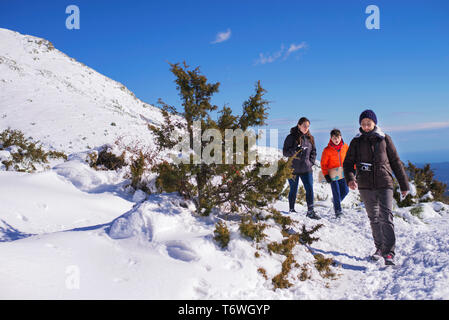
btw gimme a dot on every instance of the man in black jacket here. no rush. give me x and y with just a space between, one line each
370 163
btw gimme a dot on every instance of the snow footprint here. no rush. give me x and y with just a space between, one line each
233 265
22 217
178 250
202 289
131 262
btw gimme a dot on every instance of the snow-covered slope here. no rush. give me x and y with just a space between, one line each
62 102
75 233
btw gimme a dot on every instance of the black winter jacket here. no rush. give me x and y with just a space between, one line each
376 159
305 159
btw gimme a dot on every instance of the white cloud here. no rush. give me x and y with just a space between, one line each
271 57
295 47
282 53
222 36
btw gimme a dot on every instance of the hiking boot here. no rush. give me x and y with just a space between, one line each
389 260
376 255
312 215
291 211
338 214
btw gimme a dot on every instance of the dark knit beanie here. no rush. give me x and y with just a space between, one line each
368 114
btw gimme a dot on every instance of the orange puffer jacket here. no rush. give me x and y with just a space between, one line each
332 158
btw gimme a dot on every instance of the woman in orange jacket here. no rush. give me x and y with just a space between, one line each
332 167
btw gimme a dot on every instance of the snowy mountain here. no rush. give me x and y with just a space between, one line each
62 102
72 232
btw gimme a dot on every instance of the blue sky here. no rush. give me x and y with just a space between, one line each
315 58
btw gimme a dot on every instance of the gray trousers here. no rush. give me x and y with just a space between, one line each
378 205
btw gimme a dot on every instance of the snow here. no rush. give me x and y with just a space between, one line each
126 246
72 232
38 203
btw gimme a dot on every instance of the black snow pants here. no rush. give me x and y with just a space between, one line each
378 205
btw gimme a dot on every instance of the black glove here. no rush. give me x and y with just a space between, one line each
298 149
328 178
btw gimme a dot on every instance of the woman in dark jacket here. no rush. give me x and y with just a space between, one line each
301 145
369 165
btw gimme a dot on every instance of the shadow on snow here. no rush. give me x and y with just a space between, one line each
8 233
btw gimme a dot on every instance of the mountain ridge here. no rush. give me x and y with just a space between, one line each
37 79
